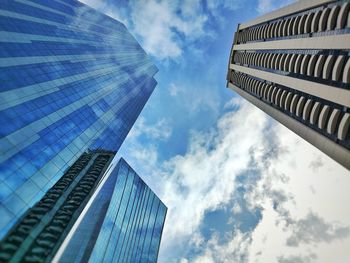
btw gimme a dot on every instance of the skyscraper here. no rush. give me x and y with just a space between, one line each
123 223
93 213
294 64
72 79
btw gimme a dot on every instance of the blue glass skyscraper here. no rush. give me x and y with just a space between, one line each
94 213
71 79
123 223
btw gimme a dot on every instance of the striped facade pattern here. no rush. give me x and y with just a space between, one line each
72 79
315 65
319 20
39 233
123 224
274 61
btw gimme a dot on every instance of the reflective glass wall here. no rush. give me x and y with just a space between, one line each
123 223
40 232
71 79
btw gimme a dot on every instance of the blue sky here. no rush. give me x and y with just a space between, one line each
239 186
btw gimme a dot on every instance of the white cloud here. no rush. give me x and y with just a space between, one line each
315 219
153 21
236 250
165 28
292 213
144 156
298 259
313 229
174 90
203 179
236 209
316 163
161 130
232 103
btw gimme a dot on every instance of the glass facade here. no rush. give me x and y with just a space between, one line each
93 213
123 222
39 233
71 79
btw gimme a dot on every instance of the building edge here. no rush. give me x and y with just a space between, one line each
333 150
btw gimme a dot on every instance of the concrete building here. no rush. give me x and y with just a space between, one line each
294 65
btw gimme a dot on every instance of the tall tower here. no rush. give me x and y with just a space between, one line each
294 64
94 213
123 223
72 79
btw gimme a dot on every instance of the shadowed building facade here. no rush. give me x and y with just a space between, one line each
72 79
94 213
123 223
294 64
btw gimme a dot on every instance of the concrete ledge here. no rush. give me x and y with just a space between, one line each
321 42
334 94
287 10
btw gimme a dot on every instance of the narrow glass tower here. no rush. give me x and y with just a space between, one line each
123 222
90 215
